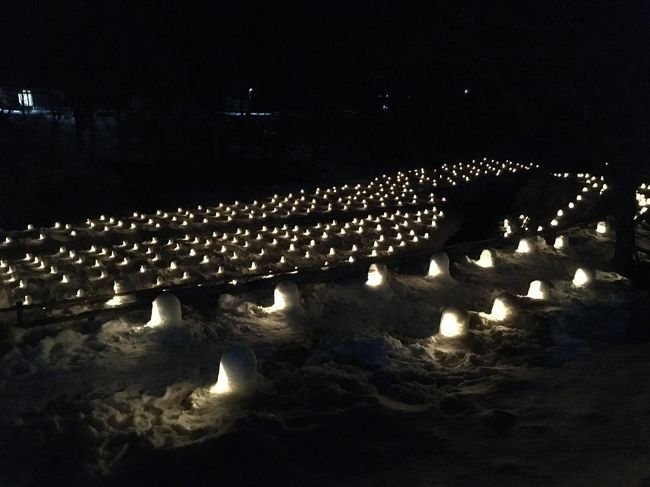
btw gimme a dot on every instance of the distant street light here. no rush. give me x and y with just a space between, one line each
250 100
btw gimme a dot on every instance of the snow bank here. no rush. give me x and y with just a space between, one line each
357 362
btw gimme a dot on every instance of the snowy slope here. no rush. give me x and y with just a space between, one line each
390 215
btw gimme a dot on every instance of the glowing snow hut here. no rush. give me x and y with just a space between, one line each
454 323
525 246
486 258
118 288
582 277
561 242
504 307
602 228
439 265
538 290
165 311
237 371
285 296
377 274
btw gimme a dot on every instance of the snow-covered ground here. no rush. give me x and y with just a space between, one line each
355 385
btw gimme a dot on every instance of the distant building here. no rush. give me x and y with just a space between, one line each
26 100
246 105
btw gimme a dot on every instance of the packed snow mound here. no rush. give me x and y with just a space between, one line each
166 311
377 275
504 308
582 277
454 323
561 242
286 296
439 266
525 245
237 371
538 290
487 258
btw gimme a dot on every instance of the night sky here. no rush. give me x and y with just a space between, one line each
297 51
554 77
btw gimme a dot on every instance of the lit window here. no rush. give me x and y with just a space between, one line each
25 98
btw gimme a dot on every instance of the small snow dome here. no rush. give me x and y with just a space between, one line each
454 323
486 258
118 288
561 242
538 290
377 274
602 228
285 296
166 311
237 371
504 307
439 265
582 277
525 246
499 310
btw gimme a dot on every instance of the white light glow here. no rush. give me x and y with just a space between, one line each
165 310
285 296
377 274
500 311
438 265
237 372
222 386
117 301
537 290
561 242
486 259
581 278
524 246
454 323
602 227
